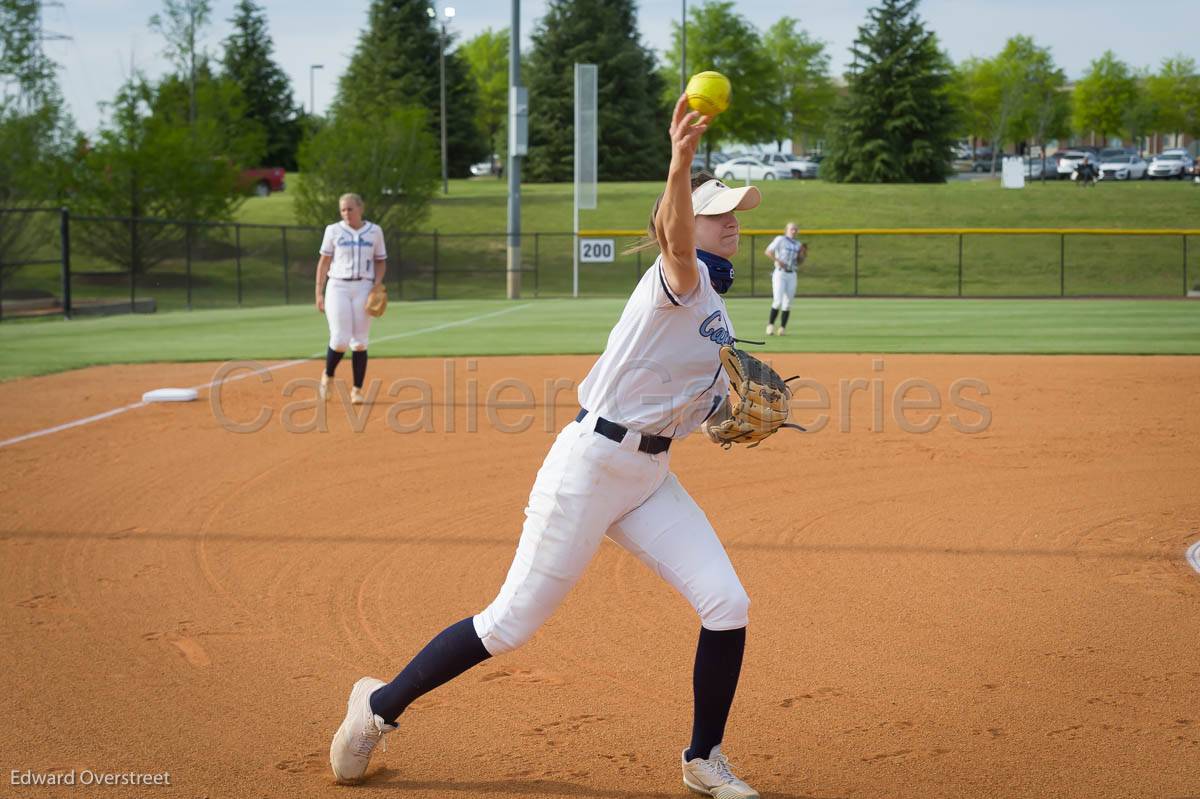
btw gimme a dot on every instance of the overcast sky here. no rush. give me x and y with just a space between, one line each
106 35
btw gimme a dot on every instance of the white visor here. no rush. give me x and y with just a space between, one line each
714 197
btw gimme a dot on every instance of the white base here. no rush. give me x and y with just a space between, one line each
1193 556
170 395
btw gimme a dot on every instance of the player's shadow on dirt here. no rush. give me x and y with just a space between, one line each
386 780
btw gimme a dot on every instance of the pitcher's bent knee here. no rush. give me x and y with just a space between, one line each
727 610
502 636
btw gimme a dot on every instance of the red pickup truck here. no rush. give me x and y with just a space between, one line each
263 180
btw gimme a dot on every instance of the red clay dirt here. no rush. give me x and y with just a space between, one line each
1005 613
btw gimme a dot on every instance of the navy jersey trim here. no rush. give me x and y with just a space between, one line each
663 280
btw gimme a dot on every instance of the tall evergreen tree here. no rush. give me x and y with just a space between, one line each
265 87
396 64
897 121
632 121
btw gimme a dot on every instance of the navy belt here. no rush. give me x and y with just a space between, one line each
651 445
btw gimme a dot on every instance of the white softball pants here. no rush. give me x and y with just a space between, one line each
783 289
346 311
590 487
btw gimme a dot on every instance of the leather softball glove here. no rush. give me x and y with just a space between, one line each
377 300
762 402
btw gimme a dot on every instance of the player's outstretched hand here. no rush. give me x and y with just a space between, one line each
686 129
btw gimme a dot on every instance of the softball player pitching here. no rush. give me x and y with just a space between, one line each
608 473
354 258
788 254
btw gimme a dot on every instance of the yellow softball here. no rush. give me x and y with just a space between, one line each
708 93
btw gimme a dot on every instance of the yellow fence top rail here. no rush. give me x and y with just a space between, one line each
940 231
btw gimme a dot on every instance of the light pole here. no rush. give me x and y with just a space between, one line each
312 93
448 14
683 48
518 115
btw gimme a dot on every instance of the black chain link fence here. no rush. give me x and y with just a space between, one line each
54 262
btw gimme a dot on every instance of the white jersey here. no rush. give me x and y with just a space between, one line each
354 252
786 251
660 372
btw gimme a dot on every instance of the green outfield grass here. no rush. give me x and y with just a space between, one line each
460 328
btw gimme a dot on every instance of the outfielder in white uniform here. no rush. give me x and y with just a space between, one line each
354 258
788 254
608 474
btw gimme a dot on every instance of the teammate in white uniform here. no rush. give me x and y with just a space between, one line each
354 258
608 474
788 254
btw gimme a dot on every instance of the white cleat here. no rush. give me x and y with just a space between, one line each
713 777
325 389
770 329
361 730
779 332
356 396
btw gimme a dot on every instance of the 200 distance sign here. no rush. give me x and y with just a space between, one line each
596 251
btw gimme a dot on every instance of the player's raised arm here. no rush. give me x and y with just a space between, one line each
675 223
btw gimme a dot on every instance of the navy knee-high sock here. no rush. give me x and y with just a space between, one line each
332 359
714 681
453 651
358 364
774 313
783 323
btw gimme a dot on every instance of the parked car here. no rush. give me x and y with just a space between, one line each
483 168
800 166
1069 161
1171 164
261 181
1110 153
1036 167
749 168
698 162
1123 167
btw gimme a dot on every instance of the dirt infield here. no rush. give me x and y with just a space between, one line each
1005 613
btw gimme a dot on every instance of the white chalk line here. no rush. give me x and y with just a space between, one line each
241 376
1193 556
